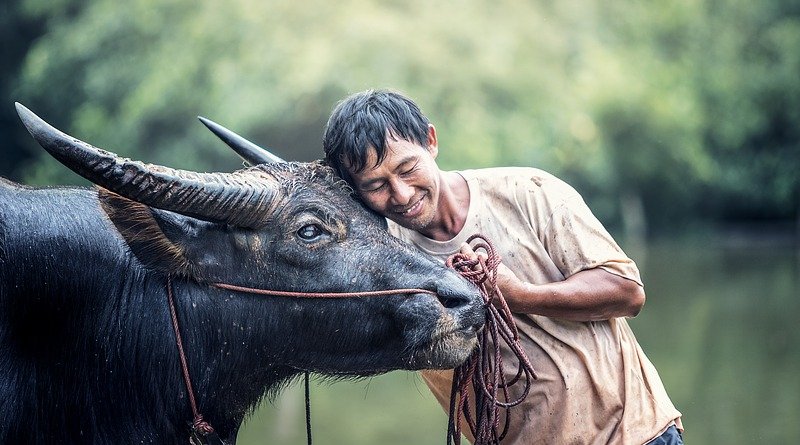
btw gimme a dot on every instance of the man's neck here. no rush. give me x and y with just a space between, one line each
452 209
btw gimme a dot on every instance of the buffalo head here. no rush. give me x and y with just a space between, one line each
281 226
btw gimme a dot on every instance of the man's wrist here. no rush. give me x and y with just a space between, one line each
521 296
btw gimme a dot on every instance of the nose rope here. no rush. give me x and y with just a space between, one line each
483 370
201 431
280 293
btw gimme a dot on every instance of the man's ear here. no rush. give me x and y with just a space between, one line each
154 236
433 144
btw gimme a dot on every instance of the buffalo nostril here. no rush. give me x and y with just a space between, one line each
453 302
457 294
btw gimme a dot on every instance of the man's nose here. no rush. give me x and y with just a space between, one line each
401 193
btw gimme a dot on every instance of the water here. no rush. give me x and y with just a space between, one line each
720 324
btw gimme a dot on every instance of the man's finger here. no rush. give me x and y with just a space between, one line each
466 249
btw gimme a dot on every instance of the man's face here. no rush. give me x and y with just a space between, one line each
405 186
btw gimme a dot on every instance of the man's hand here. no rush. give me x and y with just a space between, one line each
507 280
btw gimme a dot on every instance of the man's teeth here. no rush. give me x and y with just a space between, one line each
405 212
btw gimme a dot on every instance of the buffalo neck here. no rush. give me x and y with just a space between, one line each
72 290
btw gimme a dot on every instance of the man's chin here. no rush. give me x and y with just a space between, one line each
417 224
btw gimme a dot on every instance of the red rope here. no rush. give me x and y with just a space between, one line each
280 293
198 424
483 370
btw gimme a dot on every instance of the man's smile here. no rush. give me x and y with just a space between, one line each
412 210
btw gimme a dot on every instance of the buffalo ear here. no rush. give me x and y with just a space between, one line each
146 230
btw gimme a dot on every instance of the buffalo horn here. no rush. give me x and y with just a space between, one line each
250 152
242 198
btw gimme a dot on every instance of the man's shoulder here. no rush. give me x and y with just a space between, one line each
514 180
505 173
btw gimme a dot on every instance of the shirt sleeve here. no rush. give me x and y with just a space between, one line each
576 240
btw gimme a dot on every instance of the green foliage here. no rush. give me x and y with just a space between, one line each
689 106
751 95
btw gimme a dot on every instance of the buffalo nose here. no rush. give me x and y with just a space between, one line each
465 303
459 295
455 300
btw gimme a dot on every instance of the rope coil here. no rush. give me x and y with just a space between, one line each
482 372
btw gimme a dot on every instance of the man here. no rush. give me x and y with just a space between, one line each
567 281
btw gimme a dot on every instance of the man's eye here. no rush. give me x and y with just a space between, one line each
376 188
409 171
310 232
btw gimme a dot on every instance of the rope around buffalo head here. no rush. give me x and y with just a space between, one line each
483 370
201 431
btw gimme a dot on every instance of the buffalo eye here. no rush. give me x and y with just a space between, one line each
310 232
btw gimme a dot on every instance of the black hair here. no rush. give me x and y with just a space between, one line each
365 120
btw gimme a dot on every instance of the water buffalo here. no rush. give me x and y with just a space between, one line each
87 348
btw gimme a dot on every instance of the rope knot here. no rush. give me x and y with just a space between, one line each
201 426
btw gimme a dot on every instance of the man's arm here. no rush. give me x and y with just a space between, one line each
592 294
589 295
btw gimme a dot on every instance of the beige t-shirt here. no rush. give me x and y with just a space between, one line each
595 385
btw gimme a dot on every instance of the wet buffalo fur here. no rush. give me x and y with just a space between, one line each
87 351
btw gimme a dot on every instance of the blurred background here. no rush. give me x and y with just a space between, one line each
678 121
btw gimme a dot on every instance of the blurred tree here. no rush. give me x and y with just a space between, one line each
17 33
132 74
648 114
748 78
659 114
